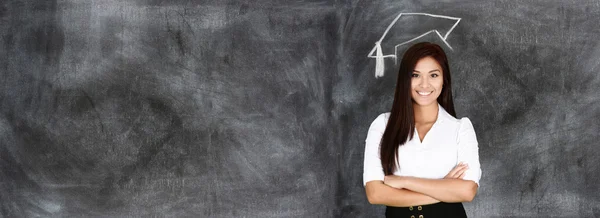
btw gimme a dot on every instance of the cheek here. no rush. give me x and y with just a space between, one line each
439 85
413 85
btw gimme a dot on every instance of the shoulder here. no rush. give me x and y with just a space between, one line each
380 122
383 117
461 123
464 121
465 126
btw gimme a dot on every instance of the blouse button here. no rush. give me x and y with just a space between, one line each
413 216
419 208
420 216
410 208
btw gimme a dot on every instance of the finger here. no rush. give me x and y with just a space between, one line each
460 176
455 174
462 173
458 168
454 171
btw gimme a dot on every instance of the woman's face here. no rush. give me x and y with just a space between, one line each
426 82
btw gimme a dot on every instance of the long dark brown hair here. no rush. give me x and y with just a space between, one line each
401 123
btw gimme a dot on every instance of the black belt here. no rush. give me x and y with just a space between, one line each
442 209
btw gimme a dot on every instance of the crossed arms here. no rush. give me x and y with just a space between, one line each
404 191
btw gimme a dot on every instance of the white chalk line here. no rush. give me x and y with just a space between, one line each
379 54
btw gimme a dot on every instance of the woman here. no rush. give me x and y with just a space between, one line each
420 161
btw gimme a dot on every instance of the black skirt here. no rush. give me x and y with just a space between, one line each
442 209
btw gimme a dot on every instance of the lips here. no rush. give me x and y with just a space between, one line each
424 93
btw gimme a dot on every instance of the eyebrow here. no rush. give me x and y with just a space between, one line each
429 71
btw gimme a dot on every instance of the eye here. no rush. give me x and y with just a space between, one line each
434 75
414 75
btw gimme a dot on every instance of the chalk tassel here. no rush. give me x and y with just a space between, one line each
379 64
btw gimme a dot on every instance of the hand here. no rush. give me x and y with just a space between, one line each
458 172
395 181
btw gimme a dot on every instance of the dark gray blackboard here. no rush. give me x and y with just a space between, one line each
260 108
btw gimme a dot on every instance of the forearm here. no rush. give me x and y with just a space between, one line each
380 193
446 190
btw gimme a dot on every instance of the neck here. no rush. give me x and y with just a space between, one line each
425 114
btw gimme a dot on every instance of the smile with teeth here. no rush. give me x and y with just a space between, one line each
425 93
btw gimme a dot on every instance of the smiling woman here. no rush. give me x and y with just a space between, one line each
427 81
420 161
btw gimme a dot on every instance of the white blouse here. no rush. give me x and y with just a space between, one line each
448 142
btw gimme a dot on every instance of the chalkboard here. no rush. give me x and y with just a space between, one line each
260 108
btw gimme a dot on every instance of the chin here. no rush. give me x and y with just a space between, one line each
420 103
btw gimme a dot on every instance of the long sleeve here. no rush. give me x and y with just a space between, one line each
468 150
372 169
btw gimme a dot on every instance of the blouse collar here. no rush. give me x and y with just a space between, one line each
443 115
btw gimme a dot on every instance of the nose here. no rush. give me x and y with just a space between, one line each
424 82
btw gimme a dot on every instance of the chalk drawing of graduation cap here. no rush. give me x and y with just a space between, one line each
377 53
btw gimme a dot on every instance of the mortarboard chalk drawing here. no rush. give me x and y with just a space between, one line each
378 54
